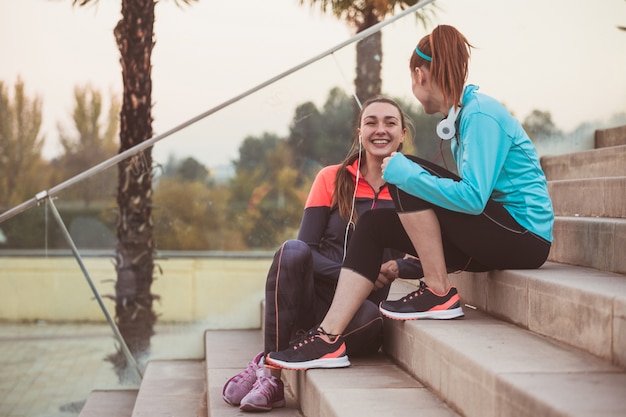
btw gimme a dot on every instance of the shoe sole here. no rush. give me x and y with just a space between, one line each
434 315
255 407
341 362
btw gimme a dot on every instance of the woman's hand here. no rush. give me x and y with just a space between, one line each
386 160
388 273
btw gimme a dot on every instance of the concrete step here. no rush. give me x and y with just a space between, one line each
109 403
488 368
228 353
372 386
172 388
593 197
614 136
592 242
601 162
581 307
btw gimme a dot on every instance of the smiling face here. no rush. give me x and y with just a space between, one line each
381 129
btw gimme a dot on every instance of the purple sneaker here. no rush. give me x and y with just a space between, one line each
238 386
268 392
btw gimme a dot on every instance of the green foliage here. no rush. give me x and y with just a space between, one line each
319 138
91 141
20 146
193 216
267 192
539 124
358 13
192 212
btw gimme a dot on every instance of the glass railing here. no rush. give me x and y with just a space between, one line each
227 191
228 187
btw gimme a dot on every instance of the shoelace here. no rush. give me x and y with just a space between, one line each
266 386
247 373
305 339
311 335
420 291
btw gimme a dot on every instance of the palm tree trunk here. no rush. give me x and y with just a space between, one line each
135 245
369 58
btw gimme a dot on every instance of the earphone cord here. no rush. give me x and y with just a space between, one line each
351 219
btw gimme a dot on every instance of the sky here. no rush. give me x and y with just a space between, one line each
562 56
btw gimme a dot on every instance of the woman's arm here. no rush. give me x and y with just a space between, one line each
483 150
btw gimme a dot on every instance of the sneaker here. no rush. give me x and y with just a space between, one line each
238 386
312 351
268 392
424 304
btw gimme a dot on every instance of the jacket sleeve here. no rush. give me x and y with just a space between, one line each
311 231
315 221
482 152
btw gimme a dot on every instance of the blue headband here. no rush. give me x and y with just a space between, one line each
423 55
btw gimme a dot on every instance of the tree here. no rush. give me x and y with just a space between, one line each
92 142
20 146
318 138
267 193
360 15
135 244
538 124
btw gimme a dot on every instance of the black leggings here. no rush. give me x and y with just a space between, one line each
295 300
477 243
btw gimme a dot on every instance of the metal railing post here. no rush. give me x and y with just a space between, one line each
57 216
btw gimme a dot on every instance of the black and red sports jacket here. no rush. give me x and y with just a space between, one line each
323 229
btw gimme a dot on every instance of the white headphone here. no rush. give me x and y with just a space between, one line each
446 128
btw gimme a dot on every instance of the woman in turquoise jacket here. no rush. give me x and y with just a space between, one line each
496 214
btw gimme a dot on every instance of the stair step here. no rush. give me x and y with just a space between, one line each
489 368
610 137
602 162
592 197
592 242
109 403
372 386
581 307
172 388
228 353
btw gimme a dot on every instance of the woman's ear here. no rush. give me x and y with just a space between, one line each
419 75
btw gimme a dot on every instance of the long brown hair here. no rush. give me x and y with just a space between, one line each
344 184
450 52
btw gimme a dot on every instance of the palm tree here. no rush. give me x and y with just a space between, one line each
135 317
360 15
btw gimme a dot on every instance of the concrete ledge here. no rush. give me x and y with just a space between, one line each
369 387
603 162
220 292
489 368
610 137
581 307
172 388
591 242
594 197
109 403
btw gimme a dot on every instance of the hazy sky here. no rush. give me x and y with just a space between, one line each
562 56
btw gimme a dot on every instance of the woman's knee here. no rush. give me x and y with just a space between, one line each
294 254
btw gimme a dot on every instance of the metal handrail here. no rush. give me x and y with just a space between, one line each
151 141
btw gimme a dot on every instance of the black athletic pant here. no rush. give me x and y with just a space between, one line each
490 240
296 301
